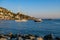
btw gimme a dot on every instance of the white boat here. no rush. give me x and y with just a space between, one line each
38 20
23 20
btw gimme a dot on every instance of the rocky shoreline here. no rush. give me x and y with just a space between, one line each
12 36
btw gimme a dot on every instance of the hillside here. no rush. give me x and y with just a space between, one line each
8 15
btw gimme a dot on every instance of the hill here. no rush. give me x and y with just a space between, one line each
8 15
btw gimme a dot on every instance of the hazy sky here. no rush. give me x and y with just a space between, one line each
36 8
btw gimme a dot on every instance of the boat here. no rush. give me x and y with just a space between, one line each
49 19
23 20
38 20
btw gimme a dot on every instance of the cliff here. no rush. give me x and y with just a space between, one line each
8 15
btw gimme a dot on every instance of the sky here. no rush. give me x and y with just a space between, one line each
35 8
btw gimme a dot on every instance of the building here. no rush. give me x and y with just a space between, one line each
1 16
7 18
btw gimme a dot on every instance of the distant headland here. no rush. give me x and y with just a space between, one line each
8 15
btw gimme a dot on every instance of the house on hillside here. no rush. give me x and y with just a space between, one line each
1 10
7 18
17 17
1 16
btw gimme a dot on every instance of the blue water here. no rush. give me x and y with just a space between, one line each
30 27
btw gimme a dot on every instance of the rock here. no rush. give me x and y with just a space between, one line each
57 38
40 38
48 37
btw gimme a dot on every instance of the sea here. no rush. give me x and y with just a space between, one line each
30 27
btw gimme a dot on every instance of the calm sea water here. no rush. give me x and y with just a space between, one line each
30 27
